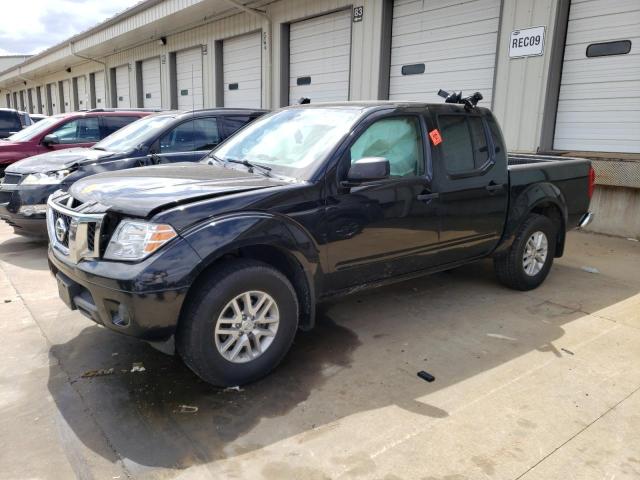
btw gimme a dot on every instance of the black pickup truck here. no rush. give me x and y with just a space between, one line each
225 259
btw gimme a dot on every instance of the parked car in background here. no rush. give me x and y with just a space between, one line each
229 256
161 138
12 121
36 117
64 131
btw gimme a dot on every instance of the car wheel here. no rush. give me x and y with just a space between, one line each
527 262
239 323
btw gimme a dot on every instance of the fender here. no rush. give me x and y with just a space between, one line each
525 202
228 234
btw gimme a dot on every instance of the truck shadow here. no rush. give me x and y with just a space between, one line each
362 356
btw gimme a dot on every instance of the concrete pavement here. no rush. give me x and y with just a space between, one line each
537 385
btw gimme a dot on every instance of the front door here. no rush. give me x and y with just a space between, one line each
382 228
189 141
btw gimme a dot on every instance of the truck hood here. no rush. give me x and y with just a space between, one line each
140 191
57 160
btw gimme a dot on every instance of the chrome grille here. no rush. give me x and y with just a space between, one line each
72 231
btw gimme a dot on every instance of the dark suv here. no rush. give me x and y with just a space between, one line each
162 138
12 121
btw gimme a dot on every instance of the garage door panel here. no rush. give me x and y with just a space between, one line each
122 87
151 83
456 41
448 34
581 9
590 115
189 79
328 66
341 64
242 67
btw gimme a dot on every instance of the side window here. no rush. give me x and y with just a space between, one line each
81 130
199 134
111 124
398 140
9 121
464 143
235 123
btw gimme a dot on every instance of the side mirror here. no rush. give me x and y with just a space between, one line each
50 139
369 168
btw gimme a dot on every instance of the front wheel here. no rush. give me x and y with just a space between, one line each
527 262
239 324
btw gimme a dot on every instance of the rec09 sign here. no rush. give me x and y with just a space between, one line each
528 42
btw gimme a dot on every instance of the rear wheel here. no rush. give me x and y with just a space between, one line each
239 323
527 262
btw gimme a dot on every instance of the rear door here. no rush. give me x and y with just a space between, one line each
471 181
189 141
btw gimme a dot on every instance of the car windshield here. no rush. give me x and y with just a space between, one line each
292 142
32 131
129 137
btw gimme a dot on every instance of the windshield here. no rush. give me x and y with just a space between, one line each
32 131
292 142
129 137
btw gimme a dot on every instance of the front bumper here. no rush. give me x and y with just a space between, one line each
133 299
12 197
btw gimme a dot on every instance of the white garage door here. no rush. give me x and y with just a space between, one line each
599 102
52 91
66 96
81 84
122 87
189 79
242 71
320 57
99 90
151 89
442 44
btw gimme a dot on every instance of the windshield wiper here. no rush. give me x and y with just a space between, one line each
246 163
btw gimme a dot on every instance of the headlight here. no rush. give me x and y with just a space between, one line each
50 178
134 240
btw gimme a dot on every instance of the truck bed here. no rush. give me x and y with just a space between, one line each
569 175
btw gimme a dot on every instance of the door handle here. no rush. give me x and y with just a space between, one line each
428 196
494 187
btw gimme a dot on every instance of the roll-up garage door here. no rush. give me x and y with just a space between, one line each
52 91
151 89
443 44
99 91
599 102
81 92
189 79
320 58
66 96
30 103
242 71
122 87
22 103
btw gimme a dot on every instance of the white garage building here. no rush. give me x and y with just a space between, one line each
578 90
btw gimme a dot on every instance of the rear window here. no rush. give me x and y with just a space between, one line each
464 143
9 121
111 124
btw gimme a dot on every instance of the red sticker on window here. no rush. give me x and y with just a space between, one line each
435 137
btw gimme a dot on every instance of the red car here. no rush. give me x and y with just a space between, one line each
76 129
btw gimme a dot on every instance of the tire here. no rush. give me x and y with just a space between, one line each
201 345
509 266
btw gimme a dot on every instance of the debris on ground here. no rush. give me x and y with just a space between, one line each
137 367
234 389
7 301
567 351
114 354
98 373
187 409
426 376
633 239
590 269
